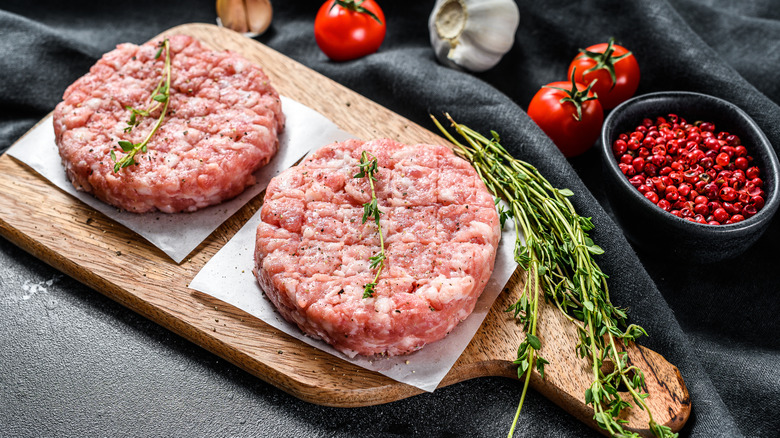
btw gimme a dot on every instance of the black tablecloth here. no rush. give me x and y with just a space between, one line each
73 363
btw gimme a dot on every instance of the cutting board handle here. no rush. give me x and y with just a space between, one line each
568 376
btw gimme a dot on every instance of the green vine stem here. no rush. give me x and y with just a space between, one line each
604 60
355 6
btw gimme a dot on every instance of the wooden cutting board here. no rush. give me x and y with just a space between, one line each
91 248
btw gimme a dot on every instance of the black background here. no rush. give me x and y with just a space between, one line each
73 363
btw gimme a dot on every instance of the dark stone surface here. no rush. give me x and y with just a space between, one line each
77 364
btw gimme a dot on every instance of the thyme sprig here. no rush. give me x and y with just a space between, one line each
368 170
159 97
558 258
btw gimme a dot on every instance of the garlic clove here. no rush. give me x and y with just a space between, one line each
232 15
473 34
491 34
259 14
245 16
465 55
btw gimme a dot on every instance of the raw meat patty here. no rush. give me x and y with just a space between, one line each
312 253
222 125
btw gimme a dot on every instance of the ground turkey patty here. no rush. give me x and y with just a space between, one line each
222 125
441 232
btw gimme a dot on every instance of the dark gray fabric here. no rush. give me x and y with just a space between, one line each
717 323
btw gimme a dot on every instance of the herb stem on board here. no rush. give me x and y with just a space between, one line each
558 259
159 97
368 170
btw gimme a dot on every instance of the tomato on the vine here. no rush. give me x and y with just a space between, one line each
569 113
349 29
614 69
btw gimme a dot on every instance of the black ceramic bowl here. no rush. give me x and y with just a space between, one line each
656 231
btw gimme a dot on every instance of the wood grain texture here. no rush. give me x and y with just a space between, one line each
92 249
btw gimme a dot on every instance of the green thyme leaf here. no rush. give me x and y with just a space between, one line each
534 342
566 192
540 363
368 290
376 260
126 146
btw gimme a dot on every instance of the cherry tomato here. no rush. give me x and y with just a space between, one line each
555 109
614 69
349 29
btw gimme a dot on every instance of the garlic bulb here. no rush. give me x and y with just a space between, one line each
473 34
246 16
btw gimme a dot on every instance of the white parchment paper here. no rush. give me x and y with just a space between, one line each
178 234
228 277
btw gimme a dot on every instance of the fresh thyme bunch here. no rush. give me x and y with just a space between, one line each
558 257
160 97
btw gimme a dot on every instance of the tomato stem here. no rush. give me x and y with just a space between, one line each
355 6
604 60
574 96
